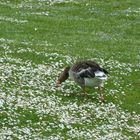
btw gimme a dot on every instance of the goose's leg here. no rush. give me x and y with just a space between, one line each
101 94
84 91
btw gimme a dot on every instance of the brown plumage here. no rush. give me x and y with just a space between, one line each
63 75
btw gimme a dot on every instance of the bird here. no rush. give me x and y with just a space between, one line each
85 73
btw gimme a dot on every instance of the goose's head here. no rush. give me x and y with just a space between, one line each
63 76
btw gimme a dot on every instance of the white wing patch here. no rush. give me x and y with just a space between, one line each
100 75
98 80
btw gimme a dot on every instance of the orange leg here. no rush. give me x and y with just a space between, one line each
101 94
84 91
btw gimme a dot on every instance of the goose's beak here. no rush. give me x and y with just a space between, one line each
58 83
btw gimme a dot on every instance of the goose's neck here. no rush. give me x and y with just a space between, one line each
64 75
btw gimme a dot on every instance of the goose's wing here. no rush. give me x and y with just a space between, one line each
86 73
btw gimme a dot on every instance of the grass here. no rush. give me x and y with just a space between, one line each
38 38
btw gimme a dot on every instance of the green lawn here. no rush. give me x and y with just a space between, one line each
40 37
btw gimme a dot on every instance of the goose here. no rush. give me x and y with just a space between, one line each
86 74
